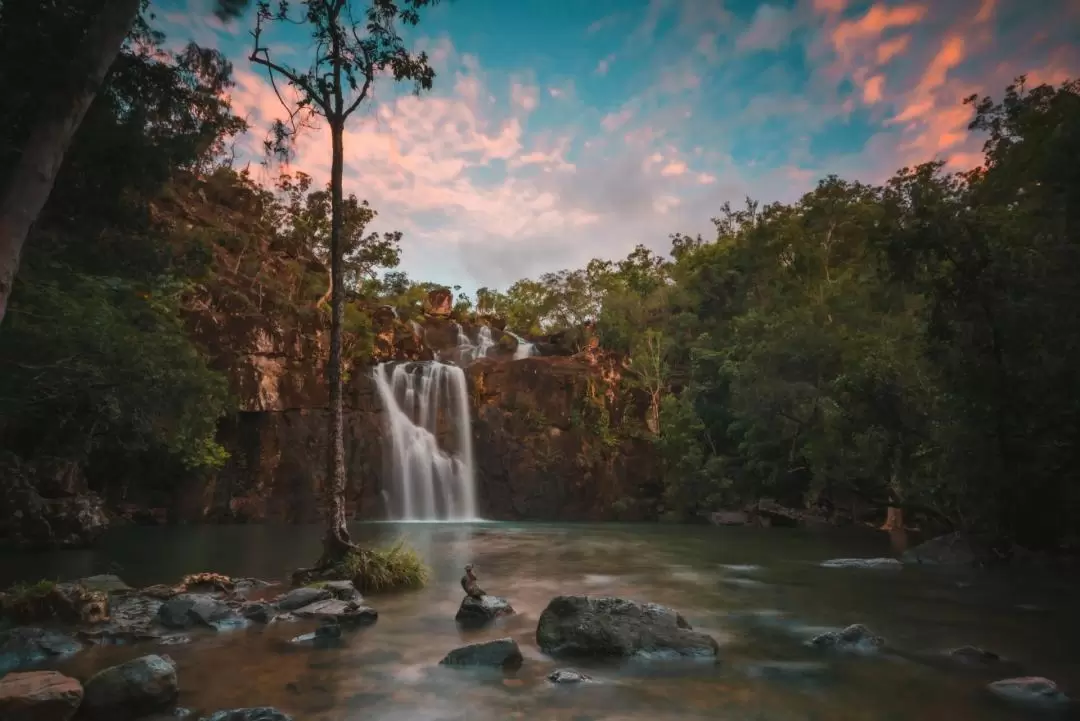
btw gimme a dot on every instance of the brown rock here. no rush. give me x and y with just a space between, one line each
439 303
39 696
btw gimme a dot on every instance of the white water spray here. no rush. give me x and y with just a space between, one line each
427 482
524 348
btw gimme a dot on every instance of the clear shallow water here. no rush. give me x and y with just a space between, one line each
759 592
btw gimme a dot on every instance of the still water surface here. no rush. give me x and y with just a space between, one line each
759 592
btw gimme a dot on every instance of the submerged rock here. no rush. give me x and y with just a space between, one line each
133 689
258 612
23 647
343 591
953 549
614 627
973 656
786 670
39 696
261 713
877 563
300 597
501 653
856 638
1031 691
478 612
568 676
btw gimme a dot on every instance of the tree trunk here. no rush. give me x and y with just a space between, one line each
32 180
337 542
894 519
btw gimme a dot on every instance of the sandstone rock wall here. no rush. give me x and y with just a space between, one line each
539 452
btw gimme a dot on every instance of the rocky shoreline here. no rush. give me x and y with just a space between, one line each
59 620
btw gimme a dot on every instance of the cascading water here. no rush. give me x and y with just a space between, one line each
468 351
428 482
524 348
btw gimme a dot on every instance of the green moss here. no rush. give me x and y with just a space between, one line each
384 569
24 599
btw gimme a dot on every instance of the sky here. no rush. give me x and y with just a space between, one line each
562 130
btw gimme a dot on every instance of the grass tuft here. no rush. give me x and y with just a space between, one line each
398 566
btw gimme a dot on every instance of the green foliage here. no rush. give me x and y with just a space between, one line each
27 600
397 566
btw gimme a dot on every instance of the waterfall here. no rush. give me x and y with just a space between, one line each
468 351
427 482
524 347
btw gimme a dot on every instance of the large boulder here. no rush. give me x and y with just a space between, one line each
478 612
130 690
39 696
614 627
501 653
439 303
24 647
46 504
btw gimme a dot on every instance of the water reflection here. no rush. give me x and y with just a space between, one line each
761 593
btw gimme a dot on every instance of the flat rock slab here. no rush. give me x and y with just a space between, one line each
575 626
343 591
888 564
478 612
1031 691
260 713
39 696
131 690
106 583
501 653
300 597
27 646
346 614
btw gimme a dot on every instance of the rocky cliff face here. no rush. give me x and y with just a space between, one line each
543 427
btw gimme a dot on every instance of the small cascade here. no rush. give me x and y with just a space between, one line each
524 349
427 482
469 351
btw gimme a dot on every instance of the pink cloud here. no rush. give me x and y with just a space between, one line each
874 23
673 168
769 29
830 6
604 65
526 97
948 57
706 178
889 49
873 89
613 121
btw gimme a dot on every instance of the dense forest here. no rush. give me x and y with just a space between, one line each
914 344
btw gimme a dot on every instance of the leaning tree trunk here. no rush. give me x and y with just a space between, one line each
32 179
337 543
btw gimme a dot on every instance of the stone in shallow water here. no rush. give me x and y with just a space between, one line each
258 612
343 591
27 646
856 638
300 597
261 713
613 627
131 690
1032 691
346 614
39 696
478 612
501 653
568 676
787 670
973 656
188 609
875 563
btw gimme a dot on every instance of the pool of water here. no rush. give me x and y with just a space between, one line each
759 592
